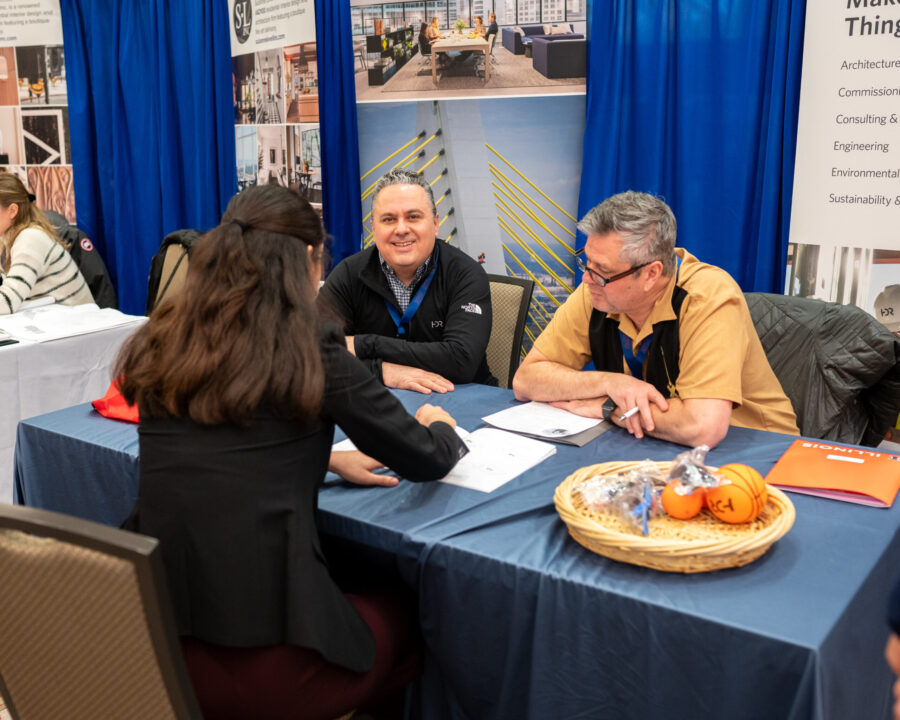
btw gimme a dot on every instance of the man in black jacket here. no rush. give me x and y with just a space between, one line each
417 311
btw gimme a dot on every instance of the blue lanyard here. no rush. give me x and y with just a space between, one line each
402 322
635 360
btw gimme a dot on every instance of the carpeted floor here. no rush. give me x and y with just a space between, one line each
508 71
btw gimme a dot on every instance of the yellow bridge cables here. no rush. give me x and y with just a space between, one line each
393 154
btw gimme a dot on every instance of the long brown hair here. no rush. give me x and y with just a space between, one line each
13 191
244 329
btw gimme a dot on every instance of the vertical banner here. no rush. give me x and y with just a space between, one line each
34 116
275 93
845 221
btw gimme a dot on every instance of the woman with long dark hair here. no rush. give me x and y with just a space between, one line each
33 261
239 385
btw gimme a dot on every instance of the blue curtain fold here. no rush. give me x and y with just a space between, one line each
697 101
151 124
341 210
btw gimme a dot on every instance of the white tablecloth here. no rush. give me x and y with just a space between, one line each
37 378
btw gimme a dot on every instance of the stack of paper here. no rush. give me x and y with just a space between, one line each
52 322
540 420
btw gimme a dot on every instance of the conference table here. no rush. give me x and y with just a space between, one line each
522 622
36 378
460 43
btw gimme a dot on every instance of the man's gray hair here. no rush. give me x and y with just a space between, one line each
404 177
644 222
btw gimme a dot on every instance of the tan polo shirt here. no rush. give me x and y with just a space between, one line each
720 355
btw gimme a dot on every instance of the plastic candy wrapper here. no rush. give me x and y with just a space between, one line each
689 471
634 496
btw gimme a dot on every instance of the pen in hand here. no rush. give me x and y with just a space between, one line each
629 413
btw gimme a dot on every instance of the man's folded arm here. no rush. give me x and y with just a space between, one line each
540 378
458 355
691 422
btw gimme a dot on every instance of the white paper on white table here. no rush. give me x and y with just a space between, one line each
52 322
537 418
495 457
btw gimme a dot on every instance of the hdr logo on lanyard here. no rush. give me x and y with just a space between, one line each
402 321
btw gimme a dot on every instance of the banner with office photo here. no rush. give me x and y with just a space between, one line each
845 241
275 95
443 49
34 118
495 126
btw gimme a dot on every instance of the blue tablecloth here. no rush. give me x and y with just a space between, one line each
521 622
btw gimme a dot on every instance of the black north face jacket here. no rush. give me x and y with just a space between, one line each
447 335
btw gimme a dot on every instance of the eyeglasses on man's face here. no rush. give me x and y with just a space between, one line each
604 281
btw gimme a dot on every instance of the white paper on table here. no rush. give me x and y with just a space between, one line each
37 302
537 418
495 457
52 322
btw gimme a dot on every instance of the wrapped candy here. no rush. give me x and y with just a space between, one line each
633 496
689 472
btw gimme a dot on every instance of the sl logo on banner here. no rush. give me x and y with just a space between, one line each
242 17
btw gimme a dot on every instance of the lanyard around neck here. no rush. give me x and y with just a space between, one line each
402 321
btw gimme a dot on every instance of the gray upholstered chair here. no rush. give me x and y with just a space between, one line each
484 59
510 298
86 630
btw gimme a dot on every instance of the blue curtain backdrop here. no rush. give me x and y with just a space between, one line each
151 123
697 101
341 211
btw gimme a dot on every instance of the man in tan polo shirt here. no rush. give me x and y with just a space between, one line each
670 337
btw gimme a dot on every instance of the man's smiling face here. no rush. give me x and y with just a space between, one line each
404 228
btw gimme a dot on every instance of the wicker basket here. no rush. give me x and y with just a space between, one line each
697 545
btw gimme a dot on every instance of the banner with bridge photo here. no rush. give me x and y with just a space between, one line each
845 242
34 113
495 126
276 95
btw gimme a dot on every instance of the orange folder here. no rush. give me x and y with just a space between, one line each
814 467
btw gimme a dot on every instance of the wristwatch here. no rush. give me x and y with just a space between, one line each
608 408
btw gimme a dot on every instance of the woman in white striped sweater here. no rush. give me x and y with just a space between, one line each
33 262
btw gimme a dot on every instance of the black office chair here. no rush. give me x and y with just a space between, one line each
838 365
424 51
510 298
87 629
